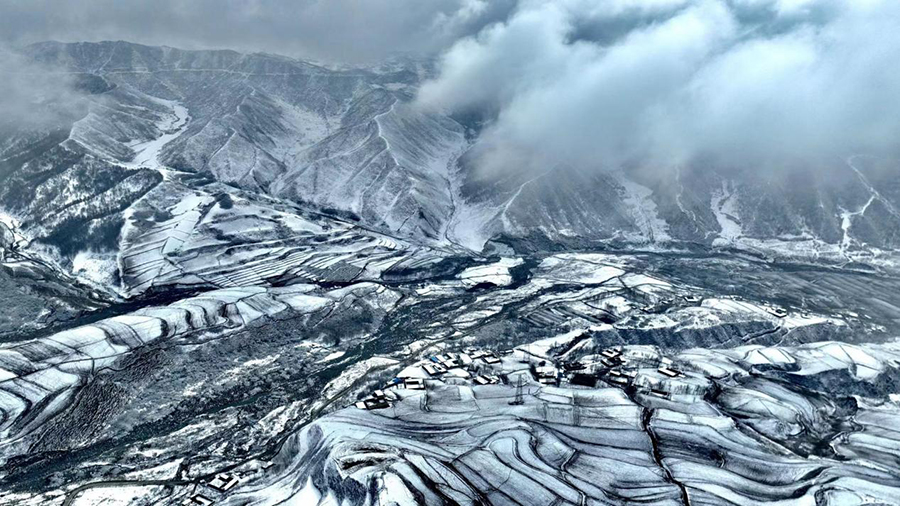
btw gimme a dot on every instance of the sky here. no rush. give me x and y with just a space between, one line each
351 31
586 84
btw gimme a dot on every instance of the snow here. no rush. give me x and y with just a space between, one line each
147 153
248 366
354 373
14 225
308 495
733 306
5 375
496 273
395 492
847 222
163 471
469 225
644 211
580 268
110 496
542 347
333 356
616 304
96 268
724 206
193 389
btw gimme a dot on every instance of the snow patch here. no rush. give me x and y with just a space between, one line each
496 273
643 210
724 207
96 268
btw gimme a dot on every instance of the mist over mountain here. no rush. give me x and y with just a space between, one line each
519 252
744 86
359 142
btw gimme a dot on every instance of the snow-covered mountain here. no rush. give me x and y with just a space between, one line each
350 142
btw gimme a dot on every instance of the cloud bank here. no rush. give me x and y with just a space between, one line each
34 98
745 84
589 84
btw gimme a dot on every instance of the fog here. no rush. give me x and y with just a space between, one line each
33 97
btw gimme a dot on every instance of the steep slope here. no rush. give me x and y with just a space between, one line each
339 139
348 142
840 211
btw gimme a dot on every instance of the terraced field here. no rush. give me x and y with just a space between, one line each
713 394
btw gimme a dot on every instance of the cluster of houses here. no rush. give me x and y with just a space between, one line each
547 374
378 400
616 369
222 482
467 365
631 369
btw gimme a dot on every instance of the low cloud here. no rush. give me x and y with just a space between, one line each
33 97
745 84
336 30
592 85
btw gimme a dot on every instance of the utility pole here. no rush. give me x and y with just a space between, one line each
519 400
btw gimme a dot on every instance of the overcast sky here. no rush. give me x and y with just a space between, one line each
339 30
580 83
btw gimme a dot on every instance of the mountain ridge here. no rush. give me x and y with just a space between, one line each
352 141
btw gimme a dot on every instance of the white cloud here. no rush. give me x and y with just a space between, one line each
749 83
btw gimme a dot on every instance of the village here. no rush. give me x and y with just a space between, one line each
639 370
220 484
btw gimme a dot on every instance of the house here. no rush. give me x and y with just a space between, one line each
692 299
777 311
197 499
672 373
376 403
448 362
573 365
618 378
224 482
611 353
659 393
378 400
434 369
621 377
487 379
414 384
465 359
546 374
491 358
